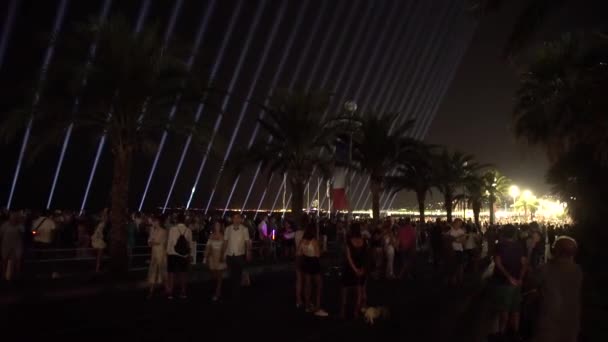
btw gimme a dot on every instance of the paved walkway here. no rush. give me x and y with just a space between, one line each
421 309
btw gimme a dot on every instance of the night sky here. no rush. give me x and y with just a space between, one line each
475 116
388 55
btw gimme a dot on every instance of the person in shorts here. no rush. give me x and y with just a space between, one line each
309 253
179 256
510 268
406 238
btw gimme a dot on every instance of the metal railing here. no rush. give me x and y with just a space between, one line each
69 261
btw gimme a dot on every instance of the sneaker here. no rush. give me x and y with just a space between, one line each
310 309
183 296
170 297
298 306
215 299
321 313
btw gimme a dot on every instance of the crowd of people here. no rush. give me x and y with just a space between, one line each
514 259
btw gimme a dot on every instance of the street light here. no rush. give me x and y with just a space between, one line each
514 193
351 108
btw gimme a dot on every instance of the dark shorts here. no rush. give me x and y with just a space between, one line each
289 243
310 265
458 258
507 298
177 264
406 257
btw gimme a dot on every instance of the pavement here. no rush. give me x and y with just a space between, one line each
421 310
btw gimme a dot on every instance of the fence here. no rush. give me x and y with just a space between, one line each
44 263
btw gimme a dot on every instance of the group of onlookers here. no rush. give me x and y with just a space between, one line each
514 257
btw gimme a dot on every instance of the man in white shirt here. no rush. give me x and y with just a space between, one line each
458 235
179 255
43 229
236 250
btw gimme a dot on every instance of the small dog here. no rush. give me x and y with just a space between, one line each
372 314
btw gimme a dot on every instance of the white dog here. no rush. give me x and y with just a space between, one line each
372 314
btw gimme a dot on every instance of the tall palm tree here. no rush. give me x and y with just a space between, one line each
450 171
529 21
496 188
131 84
474 194
300 132
415 174
560 102
378 148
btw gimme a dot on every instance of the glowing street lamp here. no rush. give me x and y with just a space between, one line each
527 197
514 193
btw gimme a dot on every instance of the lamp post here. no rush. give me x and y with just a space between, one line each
464 193
514 193
350 107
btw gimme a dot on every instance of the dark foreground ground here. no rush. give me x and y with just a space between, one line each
421 311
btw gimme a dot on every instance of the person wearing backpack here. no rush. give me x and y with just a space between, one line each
179 256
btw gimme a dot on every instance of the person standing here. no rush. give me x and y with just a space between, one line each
354 272
264 236
213 258
406 237
389 243
11 244
457 235
309 252
509 271
299 234
179 256
236 252
98 241
43 230
157 240
561 289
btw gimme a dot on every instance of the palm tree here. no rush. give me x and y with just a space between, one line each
560 101
299 132
131 84
450 171
474 194
378 149
529 21
415 174
528 204
496 188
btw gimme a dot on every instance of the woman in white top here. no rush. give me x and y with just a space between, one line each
157 240
389 243
471 247
310 253
213 258
98 242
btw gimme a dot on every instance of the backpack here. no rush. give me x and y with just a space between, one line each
182 246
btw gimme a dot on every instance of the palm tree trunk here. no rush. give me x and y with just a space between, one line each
421 198
297 189
119 210
375 187
447 198
491 211
476 211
